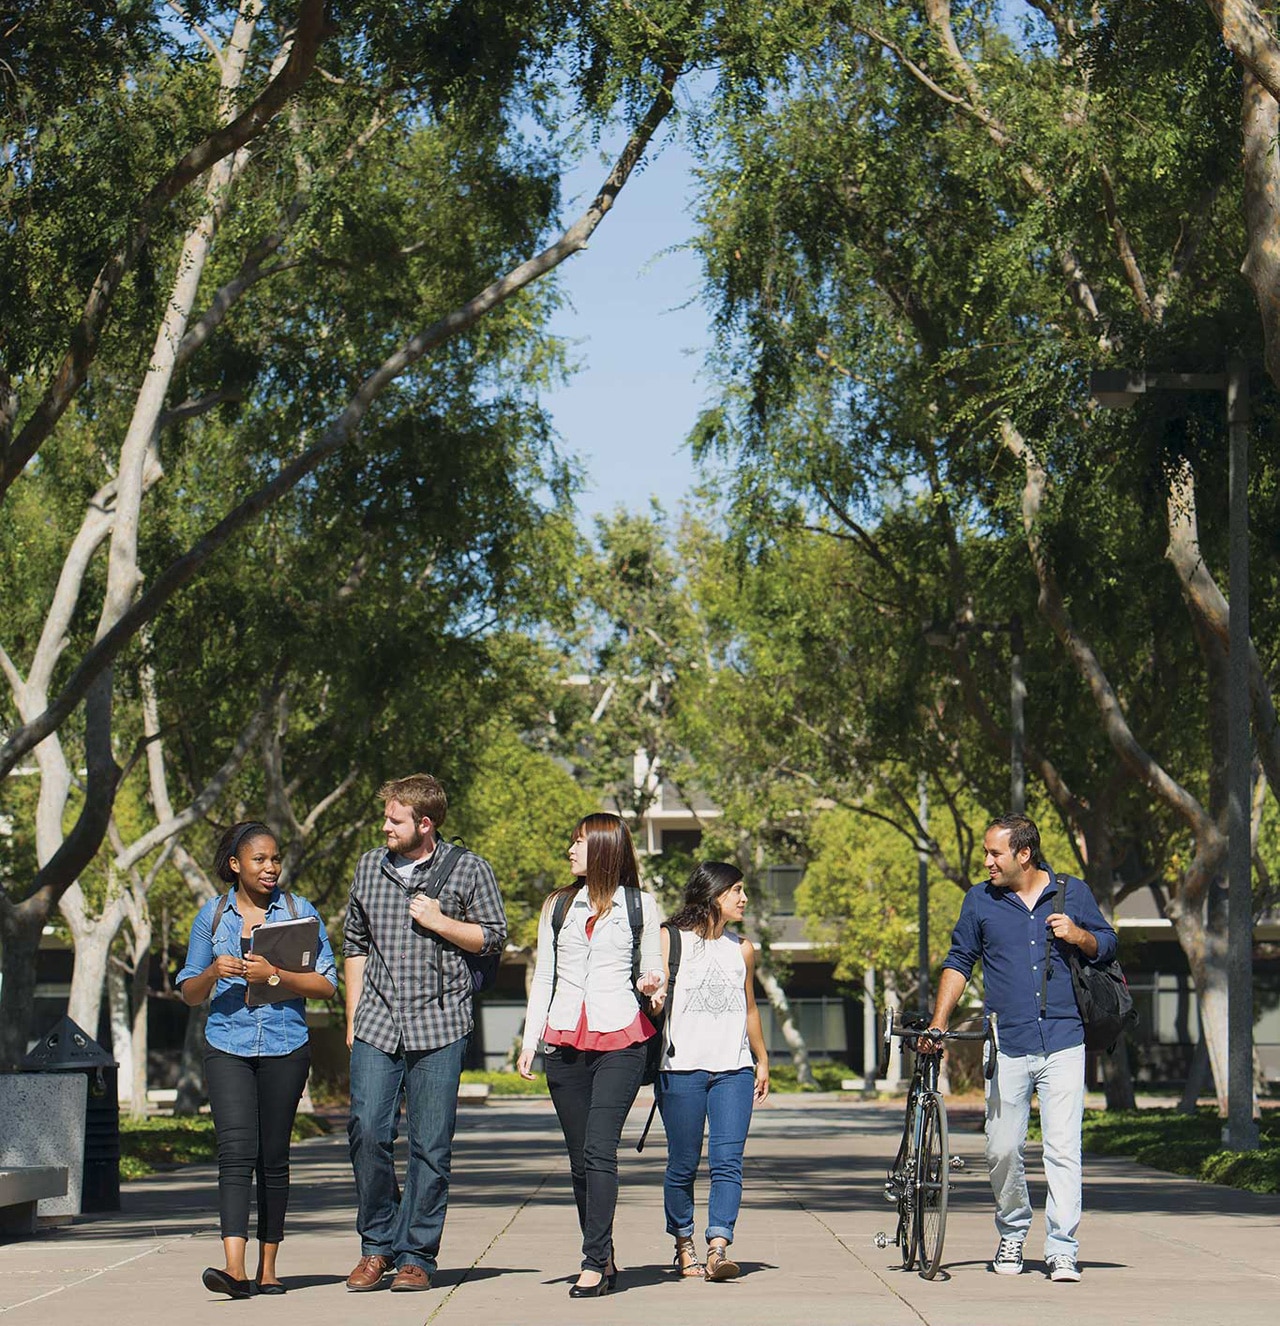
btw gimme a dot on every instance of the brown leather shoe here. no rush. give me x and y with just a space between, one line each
410 1279
368 1273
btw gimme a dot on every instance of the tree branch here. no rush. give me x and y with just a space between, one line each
1249 35
340 430
71 373
1115 724
1128 258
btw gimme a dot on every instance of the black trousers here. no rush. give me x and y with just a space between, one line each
592 1090
253 1103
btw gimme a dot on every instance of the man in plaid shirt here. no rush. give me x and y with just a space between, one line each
409 1016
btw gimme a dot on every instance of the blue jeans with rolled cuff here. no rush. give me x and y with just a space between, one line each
403 1224
718 1104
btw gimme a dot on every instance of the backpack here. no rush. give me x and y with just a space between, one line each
482 966
1101 991
226 898
662 1021
635 917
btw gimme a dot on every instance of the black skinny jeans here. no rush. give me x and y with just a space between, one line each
253 1103
592 1090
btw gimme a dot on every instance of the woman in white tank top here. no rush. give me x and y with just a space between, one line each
708 1083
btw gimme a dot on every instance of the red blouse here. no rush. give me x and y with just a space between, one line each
583 1038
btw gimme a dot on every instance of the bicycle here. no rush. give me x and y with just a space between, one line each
919 1181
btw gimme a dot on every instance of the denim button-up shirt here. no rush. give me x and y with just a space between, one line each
1012 942
265 1030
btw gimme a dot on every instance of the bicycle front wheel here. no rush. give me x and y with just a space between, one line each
933 1171
905 1169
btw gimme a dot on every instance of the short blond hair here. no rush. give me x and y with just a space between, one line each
423 794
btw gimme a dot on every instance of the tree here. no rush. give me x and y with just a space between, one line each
282 256
946 225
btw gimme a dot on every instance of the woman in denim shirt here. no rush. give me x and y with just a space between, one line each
256 1056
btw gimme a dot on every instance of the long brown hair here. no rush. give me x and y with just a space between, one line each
611 861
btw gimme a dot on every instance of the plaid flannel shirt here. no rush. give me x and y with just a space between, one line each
417 992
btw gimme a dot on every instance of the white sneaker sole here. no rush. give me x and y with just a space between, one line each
1064 1275
1006 1268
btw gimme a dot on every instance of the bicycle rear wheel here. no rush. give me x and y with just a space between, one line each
905 1167
933 1172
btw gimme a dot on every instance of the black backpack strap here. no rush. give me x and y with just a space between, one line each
293 906
673 967
218 914
1048 947
558 910
635 915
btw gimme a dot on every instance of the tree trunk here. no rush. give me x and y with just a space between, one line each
1197 1077
93 937
781 1006
1205 947
140 991
191 1074
20 929
122 1047
1117 1079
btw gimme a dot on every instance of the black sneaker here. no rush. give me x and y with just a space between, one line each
1063 1267
1008 1258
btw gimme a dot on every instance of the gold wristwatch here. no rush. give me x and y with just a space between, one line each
274 978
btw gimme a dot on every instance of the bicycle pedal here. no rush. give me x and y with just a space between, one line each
881 1240
956 1162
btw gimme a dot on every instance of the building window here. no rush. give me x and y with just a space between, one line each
780 883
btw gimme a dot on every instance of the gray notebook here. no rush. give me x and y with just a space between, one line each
289 945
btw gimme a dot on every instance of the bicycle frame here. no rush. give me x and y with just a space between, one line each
919 1180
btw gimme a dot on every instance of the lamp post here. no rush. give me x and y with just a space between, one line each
1118 390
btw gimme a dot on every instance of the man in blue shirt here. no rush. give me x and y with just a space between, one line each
1015 924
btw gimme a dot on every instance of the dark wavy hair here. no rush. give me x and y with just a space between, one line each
698 907
1022 833
611 861
233 840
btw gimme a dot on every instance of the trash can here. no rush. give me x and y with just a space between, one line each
68 1048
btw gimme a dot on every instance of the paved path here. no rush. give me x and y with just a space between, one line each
1155 1249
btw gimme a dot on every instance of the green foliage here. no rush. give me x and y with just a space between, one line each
160 1142
518 814
1188 1144
826 1077
507 1084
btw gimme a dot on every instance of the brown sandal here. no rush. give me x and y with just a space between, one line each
720 1266
686 1261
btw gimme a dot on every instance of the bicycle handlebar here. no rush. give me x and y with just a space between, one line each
914 1028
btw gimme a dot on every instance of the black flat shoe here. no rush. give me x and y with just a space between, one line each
274 1287
219 1282
591 1291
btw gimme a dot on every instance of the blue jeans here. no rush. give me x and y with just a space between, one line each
1058 1080
720 1103
403 1225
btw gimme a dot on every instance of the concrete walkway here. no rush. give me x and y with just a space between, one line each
1154 1248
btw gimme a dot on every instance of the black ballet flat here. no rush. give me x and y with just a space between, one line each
593 1291
219 1282
273 1288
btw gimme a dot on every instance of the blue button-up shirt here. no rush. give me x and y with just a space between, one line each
1012 942
235 1027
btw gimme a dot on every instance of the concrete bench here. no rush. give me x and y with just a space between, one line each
473 1093
21 1187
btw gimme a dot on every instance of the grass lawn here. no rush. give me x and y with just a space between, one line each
1187 1144
147 1145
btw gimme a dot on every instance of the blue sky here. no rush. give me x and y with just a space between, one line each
638 334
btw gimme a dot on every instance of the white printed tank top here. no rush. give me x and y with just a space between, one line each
707 1024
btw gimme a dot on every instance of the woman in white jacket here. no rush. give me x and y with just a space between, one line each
585 1006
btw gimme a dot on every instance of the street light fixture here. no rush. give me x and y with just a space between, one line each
1119 389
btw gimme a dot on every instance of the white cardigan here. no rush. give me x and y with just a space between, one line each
596 971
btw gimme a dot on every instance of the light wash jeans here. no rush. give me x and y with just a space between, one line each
719 1104
1058 1080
